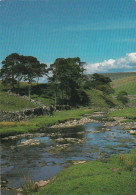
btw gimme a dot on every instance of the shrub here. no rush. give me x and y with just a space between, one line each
29 186
122 97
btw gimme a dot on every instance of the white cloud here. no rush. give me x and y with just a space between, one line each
127 63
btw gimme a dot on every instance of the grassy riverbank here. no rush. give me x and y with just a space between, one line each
115 176
34 124
129 113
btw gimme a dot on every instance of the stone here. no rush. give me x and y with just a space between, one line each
132 132
79 162
29 142
42 183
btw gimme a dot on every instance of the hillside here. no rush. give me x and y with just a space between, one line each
13 103
41 92
127 84
98 99
117 75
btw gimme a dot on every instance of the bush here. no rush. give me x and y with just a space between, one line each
122 97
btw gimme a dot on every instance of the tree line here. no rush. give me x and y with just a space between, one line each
66 77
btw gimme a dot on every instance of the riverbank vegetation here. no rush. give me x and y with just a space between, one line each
129 113
114 176
37 123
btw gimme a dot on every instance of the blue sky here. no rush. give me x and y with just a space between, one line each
101 32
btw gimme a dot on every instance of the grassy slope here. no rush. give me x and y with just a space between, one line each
115 177
127 84
13 103
97 99
43 100
34 124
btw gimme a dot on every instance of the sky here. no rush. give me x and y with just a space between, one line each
101 32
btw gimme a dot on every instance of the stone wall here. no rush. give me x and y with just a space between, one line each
25 114
28 113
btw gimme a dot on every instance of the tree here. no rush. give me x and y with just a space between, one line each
18 67
101 83
32 69
8 71
67 79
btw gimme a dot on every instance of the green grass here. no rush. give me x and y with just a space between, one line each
43 100
127 84
34 124
133 102
98 99
129 113
116 176
14 103
40 93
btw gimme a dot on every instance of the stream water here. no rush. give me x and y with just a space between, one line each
57 149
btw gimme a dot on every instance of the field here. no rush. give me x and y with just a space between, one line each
115 176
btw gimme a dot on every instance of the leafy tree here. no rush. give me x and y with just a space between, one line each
67 78
122 97
101 83
18 67
8 70
32 69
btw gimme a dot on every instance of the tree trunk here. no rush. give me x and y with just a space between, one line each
62 95
37 80
18 86
13 82
29 91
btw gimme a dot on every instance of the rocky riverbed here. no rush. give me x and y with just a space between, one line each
121 121
73 123
72 142
95 118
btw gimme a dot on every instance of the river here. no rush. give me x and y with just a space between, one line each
58 148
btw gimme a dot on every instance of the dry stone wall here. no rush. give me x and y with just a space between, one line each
25 114
28 113
41 109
